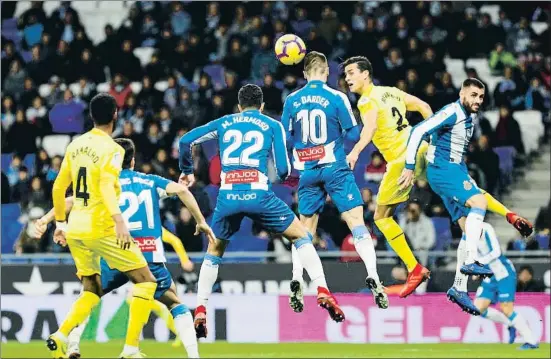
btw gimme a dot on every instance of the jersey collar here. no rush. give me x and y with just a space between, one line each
316 82
462 108
251 111
99 132
369 89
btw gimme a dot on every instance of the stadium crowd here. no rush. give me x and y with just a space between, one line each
406 42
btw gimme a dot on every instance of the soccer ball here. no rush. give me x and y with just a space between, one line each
290 49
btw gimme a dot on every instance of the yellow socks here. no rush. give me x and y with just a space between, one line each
162 312
140 308
80 310
397 240
495 206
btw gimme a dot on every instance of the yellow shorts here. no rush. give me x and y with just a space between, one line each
87 253
389 190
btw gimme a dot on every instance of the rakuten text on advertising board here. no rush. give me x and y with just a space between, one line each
429 318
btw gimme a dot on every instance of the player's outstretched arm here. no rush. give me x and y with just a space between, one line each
194 137
414 103
282 164
42 223
189 201
369 118
62 181
176 243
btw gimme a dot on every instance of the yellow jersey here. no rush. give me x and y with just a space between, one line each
92 164
393 128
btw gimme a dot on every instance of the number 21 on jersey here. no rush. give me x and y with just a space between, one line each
134 202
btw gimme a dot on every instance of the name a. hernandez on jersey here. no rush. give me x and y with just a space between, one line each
249 119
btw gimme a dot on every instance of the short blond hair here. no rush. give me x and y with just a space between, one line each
314 61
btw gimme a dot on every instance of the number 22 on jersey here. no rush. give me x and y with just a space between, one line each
241 147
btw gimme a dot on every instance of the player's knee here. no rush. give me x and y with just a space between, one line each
217 248
92 284
478 201
296 231
382 212
141 275
354 217
481 305
507 308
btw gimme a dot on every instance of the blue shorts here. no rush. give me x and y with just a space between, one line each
263 207
454 185
112 279
498 291
337 180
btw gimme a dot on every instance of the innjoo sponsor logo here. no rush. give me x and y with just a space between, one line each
241 176
311 154
146 244
241 197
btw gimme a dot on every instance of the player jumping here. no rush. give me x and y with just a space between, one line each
97 229
316 119
139 203
450 131
383 112
245 139
500 289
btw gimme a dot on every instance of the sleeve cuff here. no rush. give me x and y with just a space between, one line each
410 166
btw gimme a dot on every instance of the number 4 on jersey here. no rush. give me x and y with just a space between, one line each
82 187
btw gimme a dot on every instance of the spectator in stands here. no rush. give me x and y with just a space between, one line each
431 35
126 111
430 96
492 35
507 93
38 195
215 169
9 55
430 66
29 93
42 163
22 135
238 60
301 25
263 61
446 90
5 189
160 163
518 39
328 24
86 90
460 47
27 242
13 170
543 220
37 112
508 132
185 229
342 43
8 112
501 58
186 113
155 69
272 96
154 141
376 168
20 189
149 97
369 207
395 68
171 94
537 97
55 95
126 63
422 194
89 68
38 67
488 161
14 81
418 229
526 281
54 169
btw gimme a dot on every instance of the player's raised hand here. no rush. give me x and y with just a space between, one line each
40 227
187 180
406 179
124 239
205 228
351 159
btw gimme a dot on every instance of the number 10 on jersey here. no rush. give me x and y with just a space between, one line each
314 126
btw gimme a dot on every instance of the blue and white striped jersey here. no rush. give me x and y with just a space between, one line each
489 252
139 204
315 118
245 140
450 131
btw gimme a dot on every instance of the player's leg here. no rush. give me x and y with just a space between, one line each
521 224
473 223
458 292
388 198
277 217
133 264
111 279
341 186
88 269
311 199
183 321
517 321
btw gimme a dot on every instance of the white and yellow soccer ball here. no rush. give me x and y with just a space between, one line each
290 49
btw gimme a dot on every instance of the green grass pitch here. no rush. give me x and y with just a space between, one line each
290 350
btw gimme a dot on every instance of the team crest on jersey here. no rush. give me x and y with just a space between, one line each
296 104
116 161
363 101
350 197
467 185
